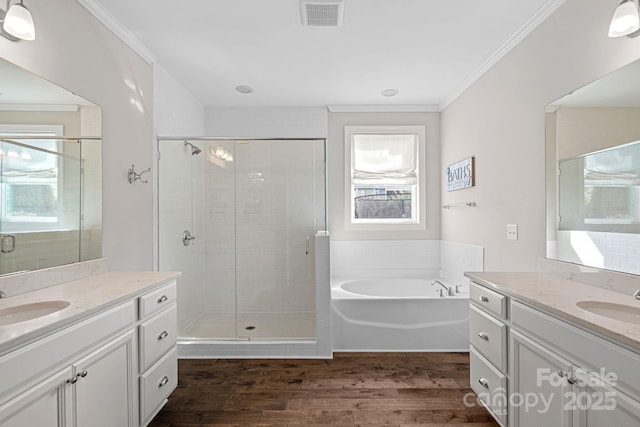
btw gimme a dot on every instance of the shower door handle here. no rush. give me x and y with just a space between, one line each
307 249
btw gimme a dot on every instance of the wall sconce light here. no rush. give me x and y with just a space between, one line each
625 20
17 22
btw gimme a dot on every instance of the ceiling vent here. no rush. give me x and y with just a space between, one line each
321 13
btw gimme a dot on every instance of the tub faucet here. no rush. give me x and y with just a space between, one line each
449 289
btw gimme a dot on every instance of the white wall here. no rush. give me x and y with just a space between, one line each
336 173
76 52
500 120
266 122
176 111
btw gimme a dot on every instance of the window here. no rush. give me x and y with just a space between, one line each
31 171
384 174
601 190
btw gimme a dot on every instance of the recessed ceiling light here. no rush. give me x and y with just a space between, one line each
390 92
244 89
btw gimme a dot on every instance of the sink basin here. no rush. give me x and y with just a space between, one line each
24 312
624 313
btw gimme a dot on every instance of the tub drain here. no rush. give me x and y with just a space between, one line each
250 328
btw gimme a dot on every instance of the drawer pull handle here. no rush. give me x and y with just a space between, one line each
483 336
83 373
163 335
483 382
162 299
163 381
484 299
72 380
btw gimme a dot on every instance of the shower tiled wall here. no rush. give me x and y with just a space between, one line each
180 208
258 211
613 251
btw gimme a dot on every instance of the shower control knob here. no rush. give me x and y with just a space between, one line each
187 238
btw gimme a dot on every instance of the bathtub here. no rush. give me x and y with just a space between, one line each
398 314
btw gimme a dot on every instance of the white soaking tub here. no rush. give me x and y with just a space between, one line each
398 314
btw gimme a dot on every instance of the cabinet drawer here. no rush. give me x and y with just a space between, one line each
489 336
157 383
489 300
158 299
490 385
157 335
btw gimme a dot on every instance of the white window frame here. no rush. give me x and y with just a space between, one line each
418 221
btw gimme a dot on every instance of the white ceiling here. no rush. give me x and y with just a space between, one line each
429 50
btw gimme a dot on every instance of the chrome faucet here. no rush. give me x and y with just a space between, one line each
448 289
2 294
636 294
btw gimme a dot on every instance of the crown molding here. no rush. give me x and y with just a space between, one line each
39 107
527 28
383 108
119 30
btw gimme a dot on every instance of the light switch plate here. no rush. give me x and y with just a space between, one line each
512 231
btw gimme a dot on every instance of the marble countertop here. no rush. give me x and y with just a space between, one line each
558 296
86 296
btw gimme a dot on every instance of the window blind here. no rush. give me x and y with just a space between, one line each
384 158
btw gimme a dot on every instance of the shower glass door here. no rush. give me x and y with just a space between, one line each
253 207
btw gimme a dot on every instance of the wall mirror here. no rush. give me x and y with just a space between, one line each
50 174
593 173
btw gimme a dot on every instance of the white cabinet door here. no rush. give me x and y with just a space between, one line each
598 404
44 405
538 385
104 390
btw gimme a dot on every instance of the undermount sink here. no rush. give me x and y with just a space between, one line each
24 312
624 313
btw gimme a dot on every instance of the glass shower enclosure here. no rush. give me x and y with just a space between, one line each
238 218
50 201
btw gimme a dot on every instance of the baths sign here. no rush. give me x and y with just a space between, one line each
460 174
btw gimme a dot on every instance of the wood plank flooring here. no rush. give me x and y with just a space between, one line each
364 389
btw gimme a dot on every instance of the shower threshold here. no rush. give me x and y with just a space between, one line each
251 326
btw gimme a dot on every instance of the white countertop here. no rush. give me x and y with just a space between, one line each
86 297
558 296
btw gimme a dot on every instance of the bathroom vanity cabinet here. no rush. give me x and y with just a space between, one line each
114 367
533 368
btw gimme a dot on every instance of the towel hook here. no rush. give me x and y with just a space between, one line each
133 176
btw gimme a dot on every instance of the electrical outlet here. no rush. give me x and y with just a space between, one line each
512 231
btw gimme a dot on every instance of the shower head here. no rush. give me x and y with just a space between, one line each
194 150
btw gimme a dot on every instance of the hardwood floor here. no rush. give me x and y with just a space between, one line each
365 389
